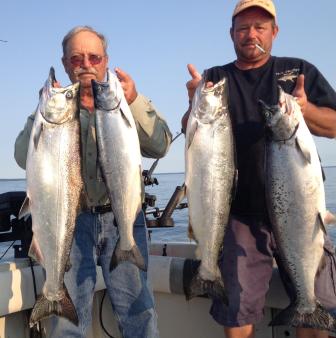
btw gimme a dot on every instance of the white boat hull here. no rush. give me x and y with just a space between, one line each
177 317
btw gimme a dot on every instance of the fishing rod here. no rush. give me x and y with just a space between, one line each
163 215
148 180
157 211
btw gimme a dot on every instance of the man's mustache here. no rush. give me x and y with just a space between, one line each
250 42
80 71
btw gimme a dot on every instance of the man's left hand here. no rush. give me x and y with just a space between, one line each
127 84
300 94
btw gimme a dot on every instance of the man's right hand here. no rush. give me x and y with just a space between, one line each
192 84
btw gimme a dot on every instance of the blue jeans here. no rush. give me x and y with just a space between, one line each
132 301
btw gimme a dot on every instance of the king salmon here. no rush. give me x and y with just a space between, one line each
54 189
297 210
120 160
209 182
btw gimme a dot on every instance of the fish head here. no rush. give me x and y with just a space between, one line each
58 105
281 120
210 102
107 95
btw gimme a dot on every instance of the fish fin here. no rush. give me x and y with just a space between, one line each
125 118
35 252
68 265
322 224
234 185
198 287
319 319
45 308
191 234
323 261
191 133
24 210
329 218
302 146
181 194
134 256
37 135
321 266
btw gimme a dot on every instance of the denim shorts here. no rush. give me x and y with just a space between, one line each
246 264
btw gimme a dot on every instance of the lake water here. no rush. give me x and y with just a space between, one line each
168 183
163 192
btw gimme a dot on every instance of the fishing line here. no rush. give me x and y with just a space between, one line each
151 170
33 275
101 316
4 254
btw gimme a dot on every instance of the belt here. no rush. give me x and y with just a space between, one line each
100 209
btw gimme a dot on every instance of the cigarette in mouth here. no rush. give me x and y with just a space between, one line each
260 48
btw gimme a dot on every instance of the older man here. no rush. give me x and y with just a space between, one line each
249 245
85 58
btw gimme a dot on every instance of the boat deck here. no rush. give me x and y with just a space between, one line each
176 316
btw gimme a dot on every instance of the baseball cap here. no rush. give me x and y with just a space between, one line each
267 5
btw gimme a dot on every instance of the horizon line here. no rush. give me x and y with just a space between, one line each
161 173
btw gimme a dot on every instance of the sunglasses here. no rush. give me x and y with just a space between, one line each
77 60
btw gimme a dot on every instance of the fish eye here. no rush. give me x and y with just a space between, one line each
69 94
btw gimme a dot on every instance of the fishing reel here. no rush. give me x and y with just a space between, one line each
149 179
162 217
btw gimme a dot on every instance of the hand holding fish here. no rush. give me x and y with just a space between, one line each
191 87
300 94
193 83
127 85
55 84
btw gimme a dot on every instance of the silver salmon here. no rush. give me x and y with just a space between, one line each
120 161
297 210
54 189
209 181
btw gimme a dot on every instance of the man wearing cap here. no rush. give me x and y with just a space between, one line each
249 245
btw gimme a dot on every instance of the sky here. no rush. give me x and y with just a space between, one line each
153 41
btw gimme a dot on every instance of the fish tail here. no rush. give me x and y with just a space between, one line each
200 287
134 256
320 318
45 308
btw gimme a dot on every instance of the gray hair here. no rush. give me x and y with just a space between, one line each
79 29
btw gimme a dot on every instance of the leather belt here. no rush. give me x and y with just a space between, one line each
101 209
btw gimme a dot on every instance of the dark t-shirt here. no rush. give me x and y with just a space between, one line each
246 87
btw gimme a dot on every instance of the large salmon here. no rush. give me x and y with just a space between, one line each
120 160
54 188
297 210
209 181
